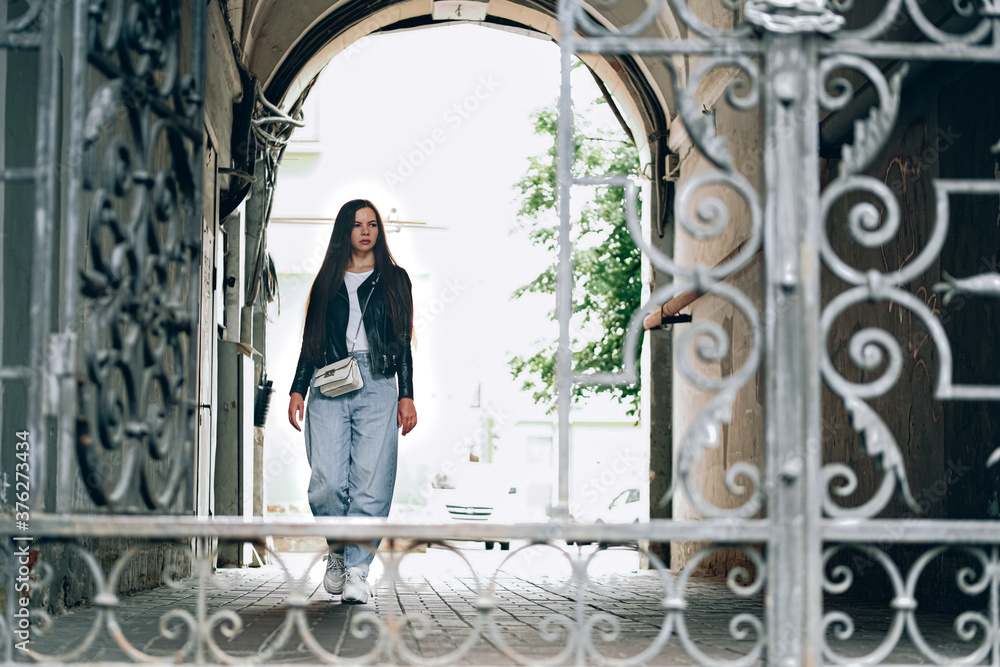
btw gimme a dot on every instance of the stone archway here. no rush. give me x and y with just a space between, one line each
286 51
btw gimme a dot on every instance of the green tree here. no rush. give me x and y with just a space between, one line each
606 262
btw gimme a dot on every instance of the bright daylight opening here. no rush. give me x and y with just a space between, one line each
437 128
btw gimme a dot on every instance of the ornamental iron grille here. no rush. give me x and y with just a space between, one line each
139 197
116 255
111 381
786 53
136 125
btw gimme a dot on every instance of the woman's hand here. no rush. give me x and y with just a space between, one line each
296 408
407 415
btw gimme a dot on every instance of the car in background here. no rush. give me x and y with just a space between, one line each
629 505
478 492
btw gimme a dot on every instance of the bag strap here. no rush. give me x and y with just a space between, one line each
363 309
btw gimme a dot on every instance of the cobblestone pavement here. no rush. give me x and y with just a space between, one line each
437 593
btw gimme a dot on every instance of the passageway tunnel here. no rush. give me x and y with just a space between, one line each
284 52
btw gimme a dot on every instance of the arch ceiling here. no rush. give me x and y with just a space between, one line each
286 49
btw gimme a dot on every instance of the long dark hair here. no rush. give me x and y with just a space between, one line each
331 277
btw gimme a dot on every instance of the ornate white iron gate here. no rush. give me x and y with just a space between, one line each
122 386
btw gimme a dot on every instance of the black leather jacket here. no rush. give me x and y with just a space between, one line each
389 356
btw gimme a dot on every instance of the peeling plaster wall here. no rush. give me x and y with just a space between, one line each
222 85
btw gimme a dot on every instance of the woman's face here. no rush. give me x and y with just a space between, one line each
365 230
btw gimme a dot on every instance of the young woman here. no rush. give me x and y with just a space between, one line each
351 439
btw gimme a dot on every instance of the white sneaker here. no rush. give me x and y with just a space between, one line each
333 580
356 590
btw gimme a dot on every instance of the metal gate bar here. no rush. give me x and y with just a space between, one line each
792 395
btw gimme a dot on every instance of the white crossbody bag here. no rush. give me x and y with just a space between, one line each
344 376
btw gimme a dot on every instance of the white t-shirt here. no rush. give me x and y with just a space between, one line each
352 281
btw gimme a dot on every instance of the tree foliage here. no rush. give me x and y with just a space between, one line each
606 263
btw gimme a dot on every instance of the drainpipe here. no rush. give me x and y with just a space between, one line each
672 308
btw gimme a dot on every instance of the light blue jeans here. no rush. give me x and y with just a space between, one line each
351 443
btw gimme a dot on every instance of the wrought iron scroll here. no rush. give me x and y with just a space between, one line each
972 35
703 219
976 630
789 54
198 629
139 197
